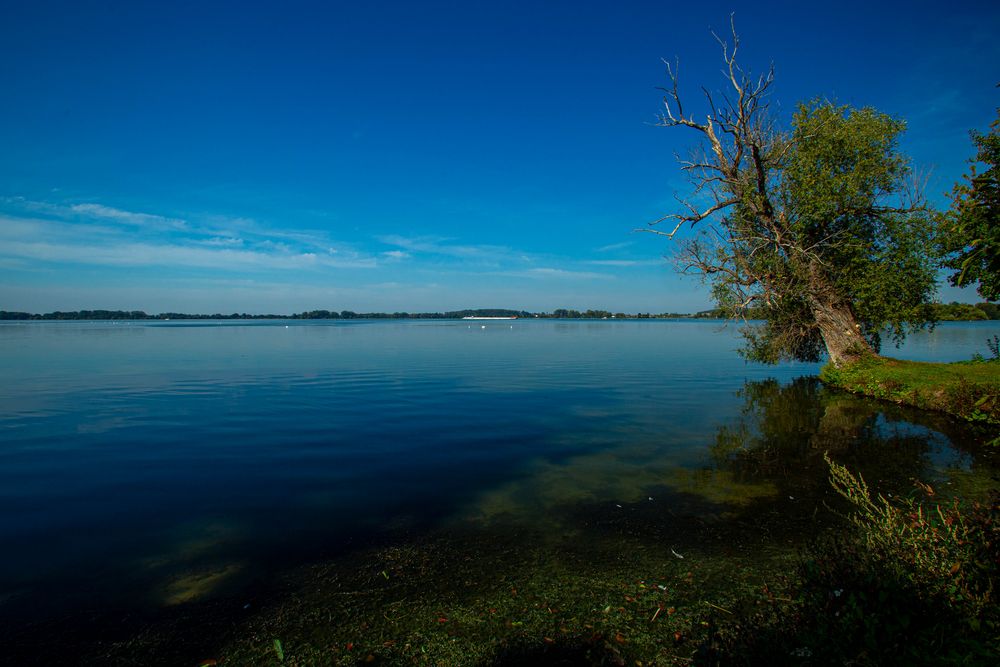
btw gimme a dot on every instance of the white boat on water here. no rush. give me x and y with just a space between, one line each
476 317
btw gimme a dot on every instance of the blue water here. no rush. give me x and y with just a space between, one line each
140 460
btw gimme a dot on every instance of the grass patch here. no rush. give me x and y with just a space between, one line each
969 389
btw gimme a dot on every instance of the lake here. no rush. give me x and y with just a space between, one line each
151 469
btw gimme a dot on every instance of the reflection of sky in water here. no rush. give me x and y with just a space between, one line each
950 341
940 454
182 455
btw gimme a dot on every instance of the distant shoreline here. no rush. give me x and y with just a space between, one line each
138 315
953 312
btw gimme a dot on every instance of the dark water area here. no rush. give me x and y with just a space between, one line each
150 468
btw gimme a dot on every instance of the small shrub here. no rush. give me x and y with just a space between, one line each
940 548
973 401
914 583
891 386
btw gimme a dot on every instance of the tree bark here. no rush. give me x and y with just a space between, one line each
841 332
835 318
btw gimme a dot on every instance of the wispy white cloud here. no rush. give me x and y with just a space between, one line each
495 260
58 241
615 246
126 217
551 272
223 241
625 262
19 228
98 212
436 271
14 264
296 237
32 206
211 230
165 254
445 246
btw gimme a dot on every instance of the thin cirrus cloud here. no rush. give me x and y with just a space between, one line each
551 272
148 254
102 235
433 245
615 246
494 260
223 241
93 212
56 237
625 262
211 230
127 217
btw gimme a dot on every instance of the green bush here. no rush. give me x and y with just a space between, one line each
938 548
912 583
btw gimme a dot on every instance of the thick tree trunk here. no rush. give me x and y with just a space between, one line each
835 319
841 332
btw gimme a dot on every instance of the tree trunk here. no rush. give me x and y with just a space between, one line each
835 319
841 332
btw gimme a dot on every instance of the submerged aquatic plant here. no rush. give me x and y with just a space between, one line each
279 650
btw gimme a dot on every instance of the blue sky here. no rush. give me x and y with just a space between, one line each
277 157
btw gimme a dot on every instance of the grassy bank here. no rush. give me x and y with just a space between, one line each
967 389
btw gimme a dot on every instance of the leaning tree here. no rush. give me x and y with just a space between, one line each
818 229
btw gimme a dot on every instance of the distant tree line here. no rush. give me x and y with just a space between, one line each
453 314
953 311
129 315
559 313
963 312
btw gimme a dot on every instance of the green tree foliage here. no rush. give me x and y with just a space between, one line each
991 310
972 227
814 229
957 312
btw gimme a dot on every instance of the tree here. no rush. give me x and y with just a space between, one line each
972 226
818 229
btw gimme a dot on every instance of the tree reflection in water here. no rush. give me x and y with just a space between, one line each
783 431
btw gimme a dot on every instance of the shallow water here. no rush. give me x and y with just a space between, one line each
146 465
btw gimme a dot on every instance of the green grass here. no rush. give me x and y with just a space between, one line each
969 390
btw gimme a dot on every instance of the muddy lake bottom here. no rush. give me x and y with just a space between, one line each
425 493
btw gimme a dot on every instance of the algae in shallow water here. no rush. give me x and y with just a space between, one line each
194 585
720 486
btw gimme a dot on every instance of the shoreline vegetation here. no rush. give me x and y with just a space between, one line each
952 312
969 390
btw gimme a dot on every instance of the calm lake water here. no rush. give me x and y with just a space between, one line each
148 465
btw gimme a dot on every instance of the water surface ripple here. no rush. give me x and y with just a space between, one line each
132 452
